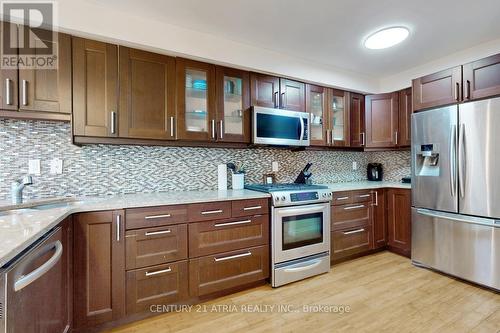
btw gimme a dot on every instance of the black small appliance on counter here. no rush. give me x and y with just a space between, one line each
375 171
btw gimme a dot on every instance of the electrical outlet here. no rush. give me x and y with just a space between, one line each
275 167
34 167
355 165
56 166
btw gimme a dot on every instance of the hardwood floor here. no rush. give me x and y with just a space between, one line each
384 291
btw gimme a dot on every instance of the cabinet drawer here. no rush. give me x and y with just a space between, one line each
342 198
221 236
350 241
347 216
249 207
154 246
228 270
362 196
155 216
209 211
162 285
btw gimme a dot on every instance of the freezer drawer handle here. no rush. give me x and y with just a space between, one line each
159 272
26 280
457 219
354 207
208 212
152 217
152 233
246 254
232 223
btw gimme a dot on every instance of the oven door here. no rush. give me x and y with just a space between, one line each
300 231
280 127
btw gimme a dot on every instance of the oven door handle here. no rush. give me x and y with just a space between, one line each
304 266
308 209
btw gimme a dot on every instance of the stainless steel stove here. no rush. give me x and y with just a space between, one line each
300 230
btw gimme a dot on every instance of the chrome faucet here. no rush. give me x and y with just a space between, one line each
16 189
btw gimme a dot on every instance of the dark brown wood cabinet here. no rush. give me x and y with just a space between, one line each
349 242
379 224
147 95
438 89
317 107
95 88
481 78
273 92
9 77
357 120
381 120
399 220
405 111
292 95
99 268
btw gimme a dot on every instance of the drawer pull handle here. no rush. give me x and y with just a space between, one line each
252 208
364 195
152 217
342 198
354 207
232 223
246 254
208 212
152 233
353 231
159 272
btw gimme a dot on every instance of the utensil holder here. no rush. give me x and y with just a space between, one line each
238 181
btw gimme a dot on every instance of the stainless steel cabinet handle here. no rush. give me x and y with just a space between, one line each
172 127
152 217
159 272
113 122
457 91
396 135
376 198
282 101
462 160
363 138
353 231
28 279
354 207
453 160
163 232
276 102
221 134
246 254
25 92
118 226
364 195
332 139
252 208
342 198
328 136
8 97
232 223
467 90
213 129
208 212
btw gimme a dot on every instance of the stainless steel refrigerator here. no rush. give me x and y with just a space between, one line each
456 190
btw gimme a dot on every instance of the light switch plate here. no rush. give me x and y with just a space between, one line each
355 165
275 167
56 166
34 167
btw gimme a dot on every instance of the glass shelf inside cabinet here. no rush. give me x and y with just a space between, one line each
316 107
196 101
337 108
233 105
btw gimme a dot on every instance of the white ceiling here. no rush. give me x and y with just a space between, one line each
330 32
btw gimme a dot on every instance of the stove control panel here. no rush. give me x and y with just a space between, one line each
291 198
304 196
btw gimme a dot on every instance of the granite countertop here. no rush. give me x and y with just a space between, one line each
20 228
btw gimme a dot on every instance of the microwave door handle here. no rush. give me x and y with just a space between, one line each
302 128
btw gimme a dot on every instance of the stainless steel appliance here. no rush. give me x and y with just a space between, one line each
456 190
280 127
374 171
300 230
34 288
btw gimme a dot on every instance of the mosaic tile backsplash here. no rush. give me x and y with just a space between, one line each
105 169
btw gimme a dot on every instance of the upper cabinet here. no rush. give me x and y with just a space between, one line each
95 88
339 117
481 78
405 111
273 92
381 119
437 89
196 105
316 106
357 120
147 95
9 77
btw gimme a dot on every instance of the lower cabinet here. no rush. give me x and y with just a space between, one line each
379 223
352 241
399 220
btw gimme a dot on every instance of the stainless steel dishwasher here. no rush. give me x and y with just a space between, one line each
34 288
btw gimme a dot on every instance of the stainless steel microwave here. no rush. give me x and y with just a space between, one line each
280 127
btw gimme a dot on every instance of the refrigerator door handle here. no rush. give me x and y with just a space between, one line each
453 161
461 159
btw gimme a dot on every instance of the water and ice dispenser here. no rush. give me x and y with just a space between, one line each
427 160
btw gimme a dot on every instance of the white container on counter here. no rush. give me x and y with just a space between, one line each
238 181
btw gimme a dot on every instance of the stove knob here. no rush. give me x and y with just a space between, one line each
330 194
324 195
283 198
277 198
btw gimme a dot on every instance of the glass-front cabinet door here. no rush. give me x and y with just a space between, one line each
339 118
316 107
233 105
196 100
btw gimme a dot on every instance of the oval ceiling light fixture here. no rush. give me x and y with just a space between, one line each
386 37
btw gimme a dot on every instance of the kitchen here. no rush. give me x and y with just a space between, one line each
149 184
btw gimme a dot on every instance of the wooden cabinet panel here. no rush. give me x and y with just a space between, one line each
223 271
342 198
209 211
156 216
95 88
352 215
357 120
48 90
437 89
405 111
362 196
249 207
264 90
292 95
227 235
382 118
399 220
9 77
154 246
158 285
147 95
350 241
317 107
481 78
99 268
233 105
379 225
